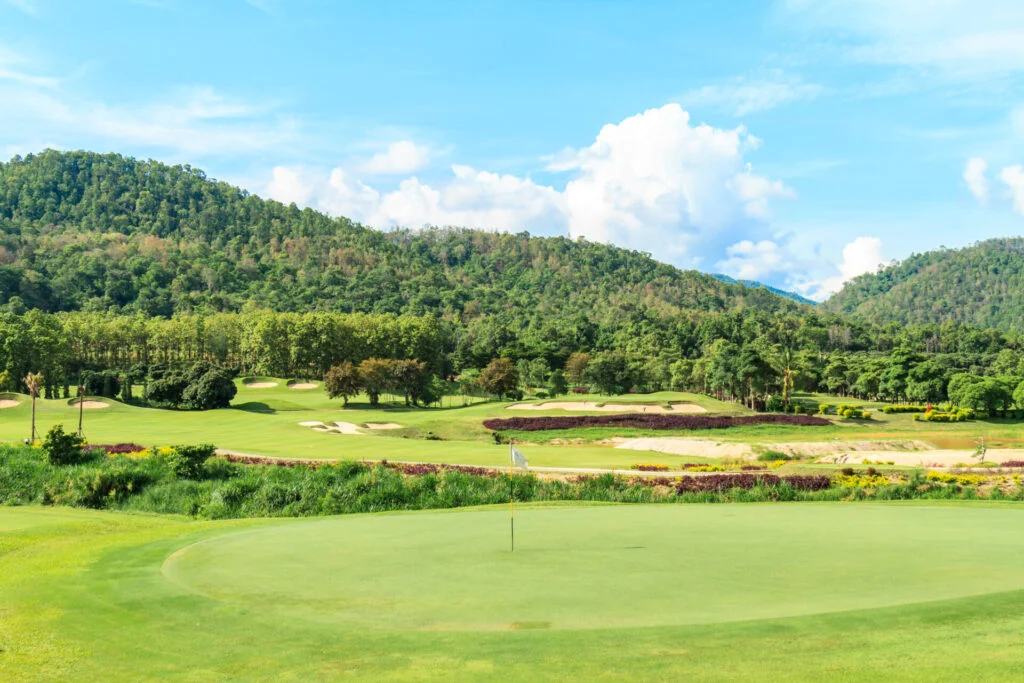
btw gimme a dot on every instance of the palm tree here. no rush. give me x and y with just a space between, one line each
34 381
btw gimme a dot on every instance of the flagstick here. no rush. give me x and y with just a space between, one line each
511 499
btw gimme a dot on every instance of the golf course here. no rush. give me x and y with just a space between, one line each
805 591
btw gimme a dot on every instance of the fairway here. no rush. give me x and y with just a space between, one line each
607 566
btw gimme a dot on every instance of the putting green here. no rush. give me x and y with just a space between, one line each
607 567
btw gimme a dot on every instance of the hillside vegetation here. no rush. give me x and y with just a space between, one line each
107 232
981 285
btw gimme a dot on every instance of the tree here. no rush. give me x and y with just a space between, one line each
557 384
377 376
343 381
576 367
499 378
33 381
609 373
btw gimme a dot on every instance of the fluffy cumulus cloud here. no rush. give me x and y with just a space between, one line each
1013 177
862 255
403 156
977 182
750 260
467 197
653 181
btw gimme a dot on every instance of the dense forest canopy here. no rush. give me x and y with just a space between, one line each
981 285
83 231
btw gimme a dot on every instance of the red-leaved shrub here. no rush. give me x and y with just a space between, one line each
649 421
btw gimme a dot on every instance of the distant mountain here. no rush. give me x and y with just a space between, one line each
981 285
80 230
775 290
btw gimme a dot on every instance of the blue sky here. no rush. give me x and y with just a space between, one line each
799 142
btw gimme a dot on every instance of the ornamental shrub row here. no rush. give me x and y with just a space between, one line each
649 421
907 408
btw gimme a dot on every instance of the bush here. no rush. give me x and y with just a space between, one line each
774 404
186 462
904 409
654 467
771 456
61 448
824 408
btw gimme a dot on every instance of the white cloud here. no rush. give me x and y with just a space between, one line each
193 121
741 96
655 182
862 255
960 38
403 156
977 182
652 182
750 260
1013 177
467 198
13 67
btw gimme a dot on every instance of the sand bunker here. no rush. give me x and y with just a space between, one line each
383 425
705 448
581 406
7 403
259 385
933 458
90 405
302 385
335 427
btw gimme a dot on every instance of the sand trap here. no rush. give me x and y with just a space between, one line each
581 406
934 458
300 385
870 450
383 425
259 385
7 403
336 427
90 405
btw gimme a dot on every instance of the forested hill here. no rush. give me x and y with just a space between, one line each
981 285
105 232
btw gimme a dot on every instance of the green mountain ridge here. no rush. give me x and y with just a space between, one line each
755 284
85 231
980 285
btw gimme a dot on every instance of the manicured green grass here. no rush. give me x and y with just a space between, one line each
776 591
266 422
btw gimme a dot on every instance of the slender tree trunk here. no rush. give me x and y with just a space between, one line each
33 418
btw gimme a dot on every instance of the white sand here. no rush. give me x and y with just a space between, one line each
336 428
91 405
934 458
301 385
383 425
583 406
870 450
259 385
346 428
7 403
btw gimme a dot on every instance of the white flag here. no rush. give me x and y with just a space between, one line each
518 459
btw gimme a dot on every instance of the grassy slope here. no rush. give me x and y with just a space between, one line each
82 596
265 422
